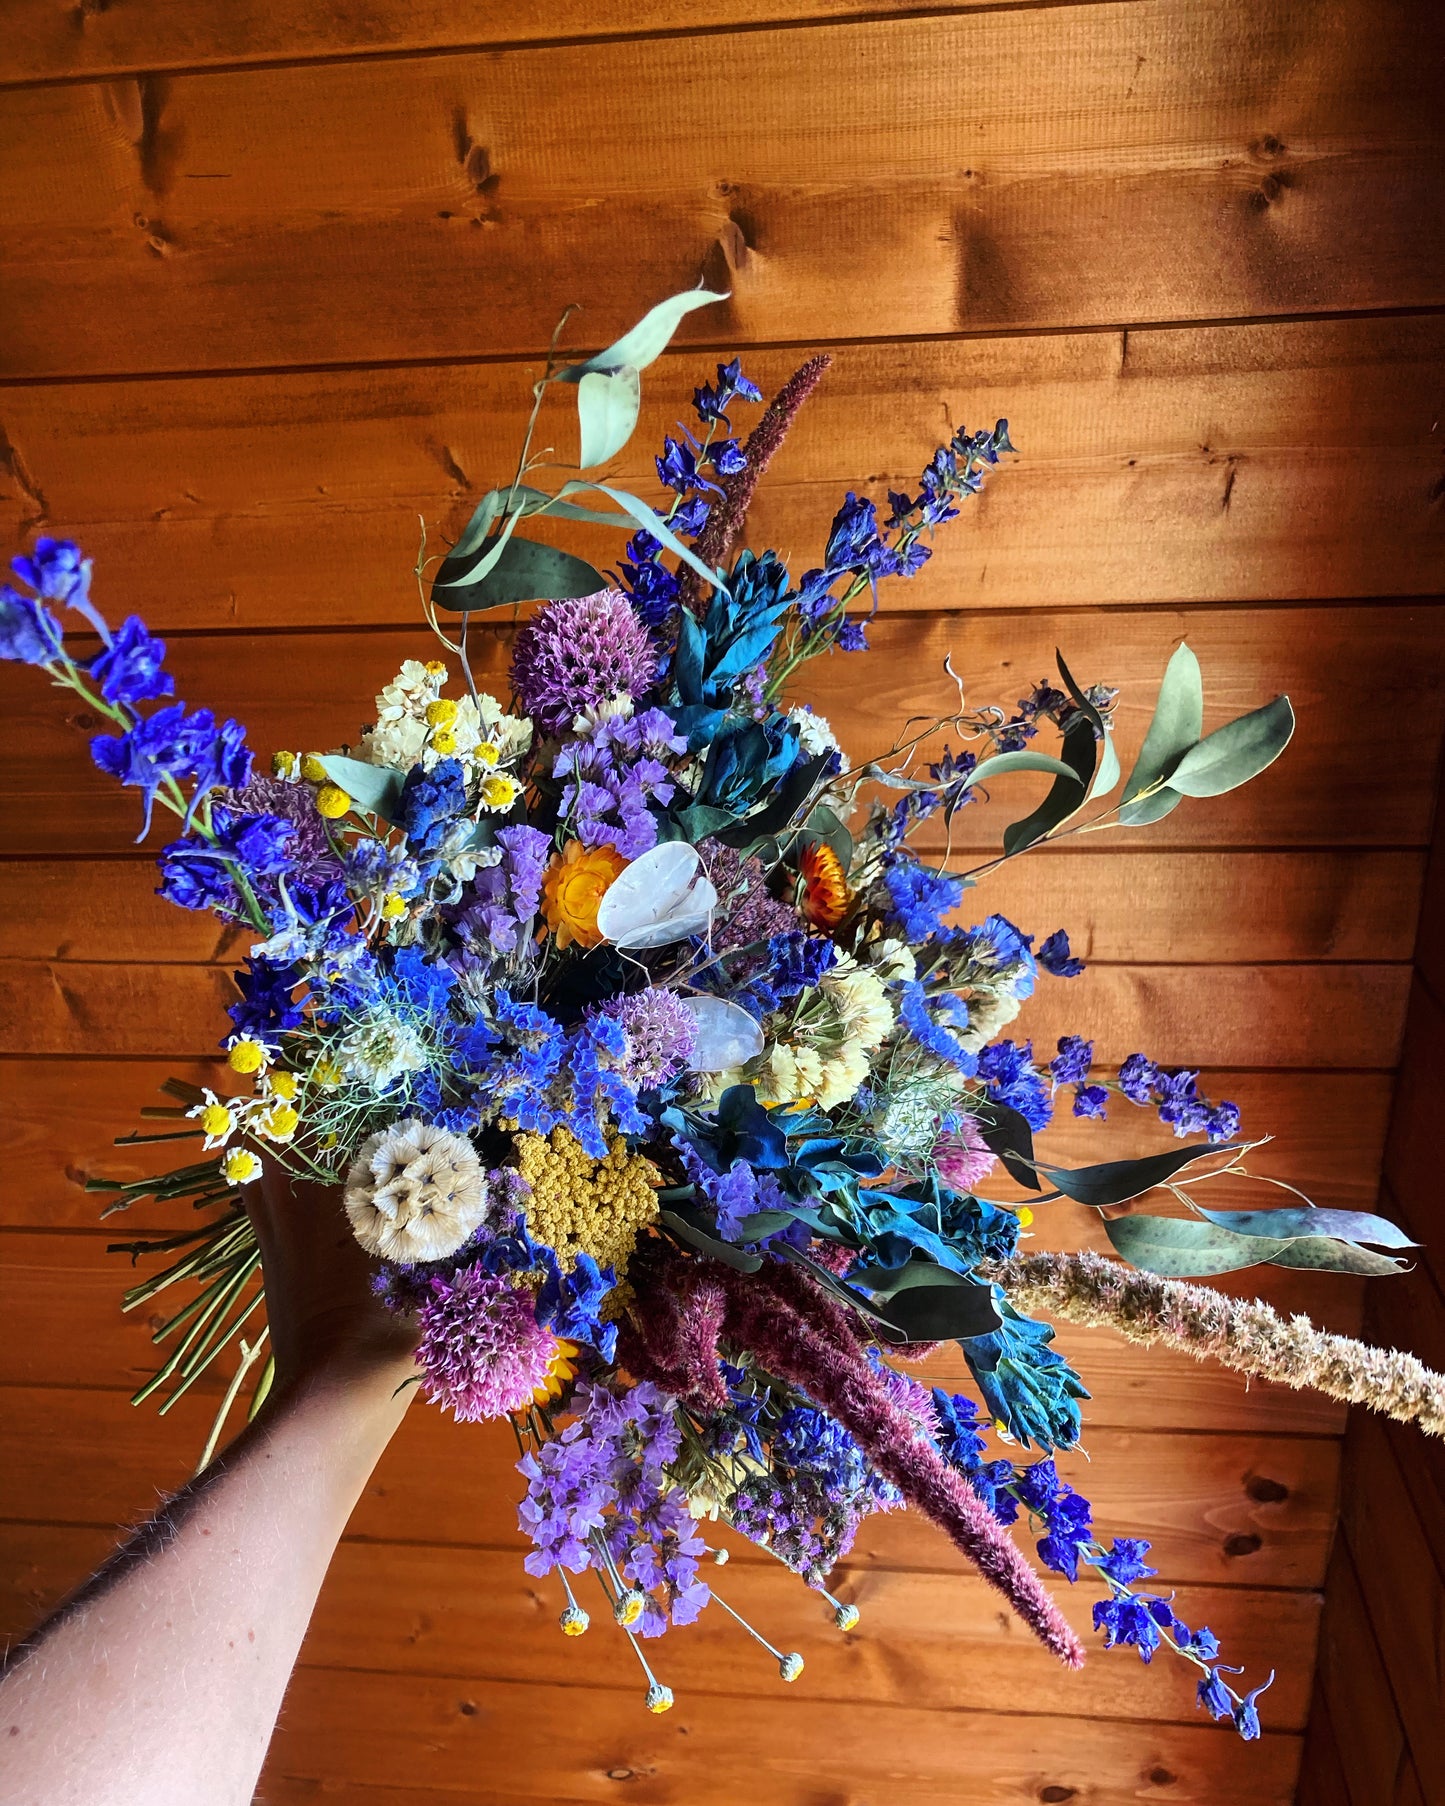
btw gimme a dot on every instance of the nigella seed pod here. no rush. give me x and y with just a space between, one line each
574 1621
791 1666
628 1610
659 1698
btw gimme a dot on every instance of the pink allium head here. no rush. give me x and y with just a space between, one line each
661 1035
482 1351
579 652
962 1156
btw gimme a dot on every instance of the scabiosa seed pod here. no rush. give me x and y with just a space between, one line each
580 652
415 1192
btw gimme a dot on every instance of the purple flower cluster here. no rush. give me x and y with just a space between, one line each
482 1351
502 899
580 652
1014 1080
613 774
602 1485
661 1035
1177 1098
174 744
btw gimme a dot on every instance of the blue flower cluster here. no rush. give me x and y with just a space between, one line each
1176 1097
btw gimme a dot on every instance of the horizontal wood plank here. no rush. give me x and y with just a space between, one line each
49 1279
1274 1016
444 205
46 43
544 1743
1226 1508
1256 907
1204 464
475 1615
1330 788
62 1118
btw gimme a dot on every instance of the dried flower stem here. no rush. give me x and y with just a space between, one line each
725 521
1240 1333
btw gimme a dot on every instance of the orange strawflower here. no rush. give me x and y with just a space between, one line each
576 882
823 894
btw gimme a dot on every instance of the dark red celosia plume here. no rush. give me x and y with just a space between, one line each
806 1338
725 521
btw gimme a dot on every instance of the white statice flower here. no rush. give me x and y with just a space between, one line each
618 707
815 735
859 996
415 1192
397 744
893 961
510 734
380 1050
989 1013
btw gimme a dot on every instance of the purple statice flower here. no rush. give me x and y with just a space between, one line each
1013 1079
920 898
613 774
661 1034
430 802
737 1194
1091 1100
131 668
1137 1077
1223 1122
482 1351
564 1502
579 652
502 899
919 1014
29 632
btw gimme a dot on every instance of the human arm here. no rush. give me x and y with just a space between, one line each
161 1680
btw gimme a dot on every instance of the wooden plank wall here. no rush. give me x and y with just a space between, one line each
1375 1736
273 283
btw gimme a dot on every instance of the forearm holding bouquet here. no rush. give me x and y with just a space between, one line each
653 1066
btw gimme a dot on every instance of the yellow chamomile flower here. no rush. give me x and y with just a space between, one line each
435 667
332 802
443 741
286 765
1025 1216
277 1121
393 904
217 1119
240 1167
284 1085
485 753
312 769
327 1072
441 713
246 1054
499 792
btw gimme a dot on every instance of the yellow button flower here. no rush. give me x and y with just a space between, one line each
573 889
332 802
312 769
286 765
441 713
393 904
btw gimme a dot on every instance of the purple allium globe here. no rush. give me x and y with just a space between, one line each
661 1036
482 1351
579 652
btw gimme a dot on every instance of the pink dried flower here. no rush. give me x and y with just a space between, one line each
962 1156
482 1351
579 652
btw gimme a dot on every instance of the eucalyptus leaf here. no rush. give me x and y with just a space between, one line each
1107 775
374 788
1236 752
519 570
648 339
1177 724
1183 1247
698 820
822 824
1006 1132
659 529
1338 1225
1002 764
942 1312
689 1230
608 402
1328 1256
1066 793
1117 1181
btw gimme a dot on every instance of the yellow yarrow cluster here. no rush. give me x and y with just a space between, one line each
581 1205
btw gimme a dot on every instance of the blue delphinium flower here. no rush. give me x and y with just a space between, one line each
711 402
960 1440
174 744
1013 1079
29 633
1054 956
267 1007
1125 1618
430 802
131 668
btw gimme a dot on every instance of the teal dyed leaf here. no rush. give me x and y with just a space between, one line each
374 788
699 820
1183 1247
1337 1225
1177 724
690 1230
1236 752
608 402
516 570
648 339
1117 1181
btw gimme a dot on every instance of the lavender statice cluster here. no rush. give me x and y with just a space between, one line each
1174 1095
615 779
